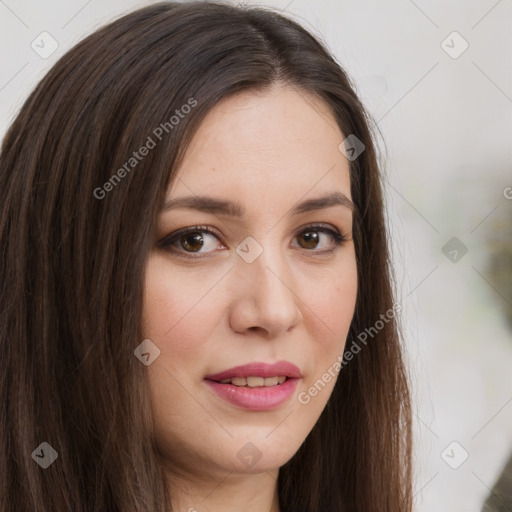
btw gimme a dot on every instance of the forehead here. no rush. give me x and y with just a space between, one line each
281 142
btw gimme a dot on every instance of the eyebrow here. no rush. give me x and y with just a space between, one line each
235 209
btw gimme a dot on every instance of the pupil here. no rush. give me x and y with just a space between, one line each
311 236
196 237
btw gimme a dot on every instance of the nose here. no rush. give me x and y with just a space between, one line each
264 298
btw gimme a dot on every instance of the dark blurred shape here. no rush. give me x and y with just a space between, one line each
500 271
500 258
500 497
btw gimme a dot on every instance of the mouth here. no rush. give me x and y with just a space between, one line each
256 373
256 386
254 381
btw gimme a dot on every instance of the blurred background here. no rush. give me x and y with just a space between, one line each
437 79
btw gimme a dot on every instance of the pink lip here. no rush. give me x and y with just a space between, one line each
258 369
255 399
258 398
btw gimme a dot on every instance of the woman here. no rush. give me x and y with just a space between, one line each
263 373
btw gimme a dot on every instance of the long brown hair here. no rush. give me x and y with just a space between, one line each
73 254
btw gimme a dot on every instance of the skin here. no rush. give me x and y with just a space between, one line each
267 150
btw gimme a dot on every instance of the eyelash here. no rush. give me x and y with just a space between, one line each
168 241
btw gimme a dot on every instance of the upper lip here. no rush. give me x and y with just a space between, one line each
258 369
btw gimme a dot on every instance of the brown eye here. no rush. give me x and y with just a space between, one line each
311 239
192 242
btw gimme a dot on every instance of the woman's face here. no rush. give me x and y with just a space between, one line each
269 284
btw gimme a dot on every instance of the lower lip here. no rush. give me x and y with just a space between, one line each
256 399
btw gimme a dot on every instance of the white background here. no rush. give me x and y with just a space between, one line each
447 124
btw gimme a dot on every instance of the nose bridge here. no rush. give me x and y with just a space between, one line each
271 274
266 297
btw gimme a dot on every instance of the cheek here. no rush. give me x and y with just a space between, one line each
330 306
332 309
178 311
331 301
335 304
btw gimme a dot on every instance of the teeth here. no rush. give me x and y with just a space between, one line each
269 381
254 382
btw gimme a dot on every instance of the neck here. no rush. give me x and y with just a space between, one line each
230 493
